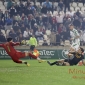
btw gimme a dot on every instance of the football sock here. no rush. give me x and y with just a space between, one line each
54 63
24 62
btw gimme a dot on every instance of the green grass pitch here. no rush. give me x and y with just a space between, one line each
40 74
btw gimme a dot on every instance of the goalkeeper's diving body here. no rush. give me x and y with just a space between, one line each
77 56
15 54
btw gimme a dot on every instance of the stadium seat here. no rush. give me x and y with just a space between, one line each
55 13
80 5
3 31
32 3
62 43
18 2
82 9
74 4
48 42
37 3
24 3
72 8
55 4
67 43
5 4
77 8
40 42
2 7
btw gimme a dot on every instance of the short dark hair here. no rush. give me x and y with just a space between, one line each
82 49
9 39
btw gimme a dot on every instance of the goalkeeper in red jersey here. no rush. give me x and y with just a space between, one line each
15 54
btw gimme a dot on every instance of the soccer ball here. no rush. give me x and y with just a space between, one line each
36 53
23 42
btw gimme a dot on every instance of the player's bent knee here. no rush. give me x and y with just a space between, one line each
17 61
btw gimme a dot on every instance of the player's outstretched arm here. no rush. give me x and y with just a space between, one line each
1 45
15 43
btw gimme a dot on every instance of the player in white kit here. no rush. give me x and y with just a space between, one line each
75 38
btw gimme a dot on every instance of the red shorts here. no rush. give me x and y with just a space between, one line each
18 55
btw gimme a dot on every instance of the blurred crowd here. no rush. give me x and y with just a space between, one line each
47 21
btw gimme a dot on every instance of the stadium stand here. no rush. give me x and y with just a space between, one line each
20 15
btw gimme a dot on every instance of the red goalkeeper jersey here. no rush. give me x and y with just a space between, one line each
9 47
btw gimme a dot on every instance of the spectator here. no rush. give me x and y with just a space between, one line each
20 38
26 21
16 27
40 21
1 14
28 2
60 28
39 35
54 27
26 34
8 23
2 37
31 32
22 16
44 9
18 9
76 22
78 13
6 15
23 28
52 38
45 43
65 35
83 24
21 7
48 32
17 17
60 5
2 23
70 13
13 35
12 11
9 4
32 21
35 28
29 11
67 4
38 9
58 38
68 21
37 18
18 32
44 20
59 19
48 5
